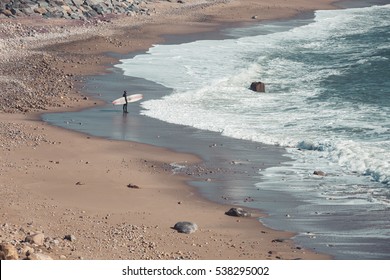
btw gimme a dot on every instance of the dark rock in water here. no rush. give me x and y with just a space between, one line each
238 212
185 227
258 86
319 173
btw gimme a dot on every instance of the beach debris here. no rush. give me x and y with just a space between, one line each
70 237
238 212
79 183
132 186
37 238
278 240
254 17
319 173
8 252
257 86
185 227
249 199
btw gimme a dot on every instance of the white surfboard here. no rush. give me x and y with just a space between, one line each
130 99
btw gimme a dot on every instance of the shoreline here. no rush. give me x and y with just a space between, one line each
248 227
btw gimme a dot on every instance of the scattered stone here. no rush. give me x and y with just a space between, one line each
185 227
8 252
238 212
131 186
278 240
70 237
249 199
38 239
79 183
55 242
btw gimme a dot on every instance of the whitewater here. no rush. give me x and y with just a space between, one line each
326 107
327 102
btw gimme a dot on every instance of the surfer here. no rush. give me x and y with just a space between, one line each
125 105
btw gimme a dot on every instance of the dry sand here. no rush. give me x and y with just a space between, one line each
60 183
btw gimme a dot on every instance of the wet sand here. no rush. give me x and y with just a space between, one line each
62 183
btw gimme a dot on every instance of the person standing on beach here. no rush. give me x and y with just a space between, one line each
125 105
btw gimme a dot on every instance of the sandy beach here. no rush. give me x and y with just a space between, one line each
91 198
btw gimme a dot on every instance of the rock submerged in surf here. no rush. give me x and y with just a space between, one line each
257 86
238 212
185 227
319 173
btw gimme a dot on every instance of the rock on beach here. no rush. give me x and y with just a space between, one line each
185 227
38 239
8 252
238 212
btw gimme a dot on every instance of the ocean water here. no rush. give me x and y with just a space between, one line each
327 102
326 107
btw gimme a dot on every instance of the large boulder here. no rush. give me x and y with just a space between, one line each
185 227
238 212
258 86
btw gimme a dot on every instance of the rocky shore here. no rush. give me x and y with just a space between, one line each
32 79
71 9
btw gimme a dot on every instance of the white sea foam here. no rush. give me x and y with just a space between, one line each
210 81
